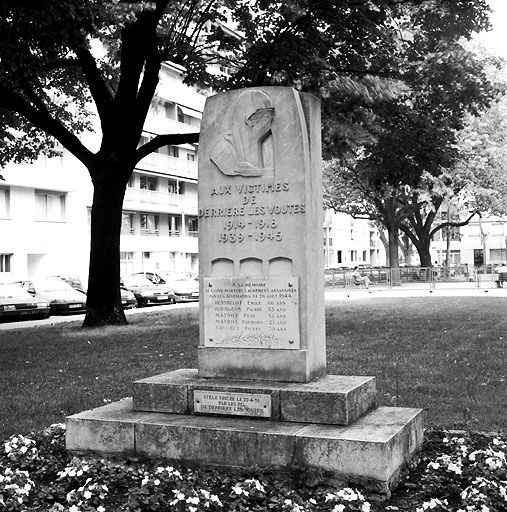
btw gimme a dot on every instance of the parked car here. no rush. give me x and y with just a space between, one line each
16 303
146 292
185 288
128 299
75 282
61 296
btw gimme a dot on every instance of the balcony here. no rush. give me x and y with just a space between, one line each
149 232
169 165
193 234
158 201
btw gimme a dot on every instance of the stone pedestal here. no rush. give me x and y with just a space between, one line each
260 396
368 452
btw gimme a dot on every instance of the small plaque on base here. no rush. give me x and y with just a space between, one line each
238 404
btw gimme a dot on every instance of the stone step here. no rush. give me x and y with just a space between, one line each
370 451
332 399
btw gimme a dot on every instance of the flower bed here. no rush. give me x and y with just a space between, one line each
465 472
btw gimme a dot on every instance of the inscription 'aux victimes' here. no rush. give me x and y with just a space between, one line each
264 226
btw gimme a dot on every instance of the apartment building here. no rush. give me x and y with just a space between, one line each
45 207
482 242
349 242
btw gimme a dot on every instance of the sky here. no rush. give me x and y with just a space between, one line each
496 39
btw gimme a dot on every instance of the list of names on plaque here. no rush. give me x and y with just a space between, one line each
238 404
252 312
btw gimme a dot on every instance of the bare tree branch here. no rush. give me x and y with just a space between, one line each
159 141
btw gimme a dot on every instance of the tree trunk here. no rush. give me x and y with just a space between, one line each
103 304
424 253
394 262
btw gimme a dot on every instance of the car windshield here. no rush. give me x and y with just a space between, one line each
136 280
174 277
12 290
52 285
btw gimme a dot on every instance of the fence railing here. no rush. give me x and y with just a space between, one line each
460 276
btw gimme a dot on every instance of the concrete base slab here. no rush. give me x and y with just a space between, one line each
372 450
332 399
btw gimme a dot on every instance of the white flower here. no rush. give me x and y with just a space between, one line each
100 508
194 500
454 468
287 502
87 495
329 497
214 498
339 508
73 509
192 509
434 465
145 480
156 481
365 507
312 501
205 493
237 489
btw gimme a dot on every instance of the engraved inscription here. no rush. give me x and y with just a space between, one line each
251 312
252 219
239 404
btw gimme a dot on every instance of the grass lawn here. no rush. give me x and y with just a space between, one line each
446 354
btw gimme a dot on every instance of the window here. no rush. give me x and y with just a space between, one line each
174 225
497 255
149 224
338 257
190 157
181 116
174 151
126 263
148 183
353 255
49 206
364 256
192 226
143 140
4 203
5 262
173 187
169 109
330 242
352 234
127 223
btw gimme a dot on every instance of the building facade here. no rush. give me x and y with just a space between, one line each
45 207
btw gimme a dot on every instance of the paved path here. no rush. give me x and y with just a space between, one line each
331 295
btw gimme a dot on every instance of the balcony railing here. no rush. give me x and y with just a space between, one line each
193 233
160 201
149 232
169 164
174 232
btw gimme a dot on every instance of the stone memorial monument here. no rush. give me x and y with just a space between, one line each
260 396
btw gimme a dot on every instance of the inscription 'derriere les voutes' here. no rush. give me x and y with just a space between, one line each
252 219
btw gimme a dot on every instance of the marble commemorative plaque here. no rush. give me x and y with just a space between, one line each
239 404
251 312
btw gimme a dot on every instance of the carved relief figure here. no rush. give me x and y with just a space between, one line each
242 149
